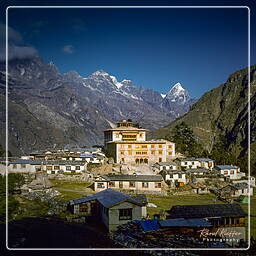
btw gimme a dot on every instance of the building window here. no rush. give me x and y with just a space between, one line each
232 172
14 166
180 175
129 153
152 146
170 146
68 168
160 146
122 152
120 184
157 184
122 160
152 152
56 167
160 159
111 184
225 172
160 152
23 166
100 185
145 184
48 167
129 146
77 167
141 134
144 146
125 214
132 184
170 153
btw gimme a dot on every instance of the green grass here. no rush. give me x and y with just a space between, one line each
72 189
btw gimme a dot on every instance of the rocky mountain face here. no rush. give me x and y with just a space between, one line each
223 113
47 109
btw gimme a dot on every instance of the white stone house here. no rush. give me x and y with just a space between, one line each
112 207
233 172
174 176
206 163
165 166
60 166
146 183
189 163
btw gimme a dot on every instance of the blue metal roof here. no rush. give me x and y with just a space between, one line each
204 159
25 161
226 166
180 222
107 198
148 225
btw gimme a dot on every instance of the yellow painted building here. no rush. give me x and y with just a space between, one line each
128 144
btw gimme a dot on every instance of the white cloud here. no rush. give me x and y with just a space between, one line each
69 49
16 49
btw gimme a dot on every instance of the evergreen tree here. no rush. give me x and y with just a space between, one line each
185 140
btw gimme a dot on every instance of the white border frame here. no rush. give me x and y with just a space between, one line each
249 107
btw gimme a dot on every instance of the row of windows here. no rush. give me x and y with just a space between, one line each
153 152
142 146
57 167
132 184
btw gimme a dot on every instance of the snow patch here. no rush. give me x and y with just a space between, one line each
163 95
22 71
115 82
112 125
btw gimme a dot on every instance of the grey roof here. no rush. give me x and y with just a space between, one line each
181 222
206 211
25 161
63 162
126 177
236 186
223 167
198 170
107 198
188 159
166 163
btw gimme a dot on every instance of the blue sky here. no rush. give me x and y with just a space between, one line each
152 47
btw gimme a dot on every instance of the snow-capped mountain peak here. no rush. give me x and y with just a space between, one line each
115 82
178 94
100 73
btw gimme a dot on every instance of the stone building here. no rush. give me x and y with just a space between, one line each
127 144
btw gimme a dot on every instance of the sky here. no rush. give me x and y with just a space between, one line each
155 48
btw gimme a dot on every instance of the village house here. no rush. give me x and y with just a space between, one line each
206 163
174 177
164 166
188 163
236 190
127 144
61 166
112 207
230 171
146 183
23 166
199 188
226 217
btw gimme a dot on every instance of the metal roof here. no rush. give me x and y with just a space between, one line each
206 211
204 159
223 167
148 225
181 222
25 161
107 198
127 177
